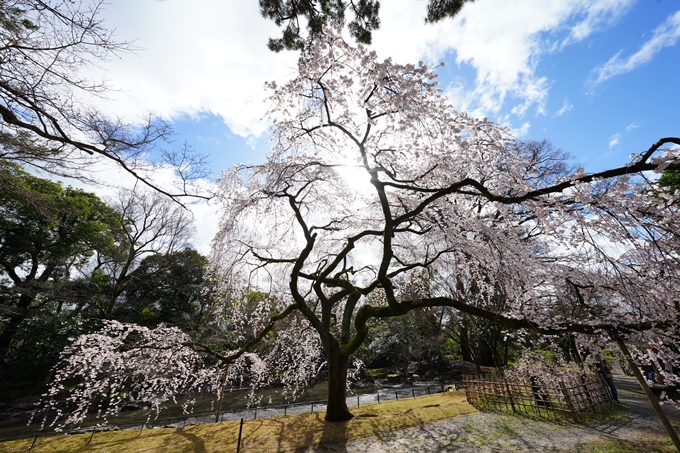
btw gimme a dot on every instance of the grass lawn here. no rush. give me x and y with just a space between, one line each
275 434
647 443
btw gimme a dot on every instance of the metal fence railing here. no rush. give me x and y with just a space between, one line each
248 413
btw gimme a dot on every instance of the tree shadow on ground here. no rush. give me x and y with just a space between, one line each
334 434
197 444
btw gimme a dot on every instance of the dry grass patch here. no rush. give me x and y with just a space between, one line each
275 434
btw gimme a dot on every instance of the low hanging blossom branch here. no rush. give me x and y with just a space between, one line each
101 372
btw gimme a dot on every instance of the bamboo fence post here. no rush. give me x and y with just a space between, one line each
570 404
589 398
512 401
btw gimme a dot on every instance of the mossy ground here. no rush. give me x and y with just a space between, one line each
378 423
647 443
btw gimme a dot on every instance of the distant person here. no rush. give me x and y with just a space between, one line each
605 369
584 353
651 369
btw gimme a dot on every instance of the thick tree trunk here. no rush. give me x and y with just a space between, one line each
465 348
19 314
337 410
485 354
219 402
7 335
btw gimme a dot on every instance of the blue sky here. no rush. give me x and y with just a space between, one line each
599 78
600 122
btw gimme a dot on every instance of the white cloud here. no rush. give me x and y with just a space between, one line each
503 41
665 35
109 177
207 56
598 16
614 140
633 125
211 56
522 131
566 106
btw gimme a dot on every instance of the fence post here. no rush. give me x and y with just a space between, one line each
240 430
512 400
396 394
312 407
428 390
31 448
91 436
140 430
357 400
285 410
570 404
468 390
413 392
378 393
255 416
589 397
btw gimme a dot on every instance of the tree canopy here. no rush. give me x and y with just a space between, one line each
69 260
169 288
45 234
320 13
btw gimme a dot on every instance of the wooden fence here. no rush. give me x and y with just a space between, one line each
533 396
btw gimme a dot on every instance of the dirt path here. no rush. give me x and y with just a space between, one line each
491 432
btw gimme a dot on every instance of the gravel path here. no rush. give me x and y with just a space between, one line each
491 432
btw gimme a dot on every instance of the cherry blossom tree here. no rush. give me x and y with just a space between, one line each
375 178
379 198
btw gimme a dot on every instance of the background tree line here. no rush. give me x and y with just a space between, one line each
69 260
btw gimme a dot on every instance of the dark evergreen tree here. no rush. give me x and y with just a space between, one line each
44 235
170 288
317 13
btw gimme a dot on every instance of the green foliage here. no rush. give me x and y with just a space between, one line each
13 20
319 13
438 10
48 223
670 180
171 289
400 340
46 232
37 344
